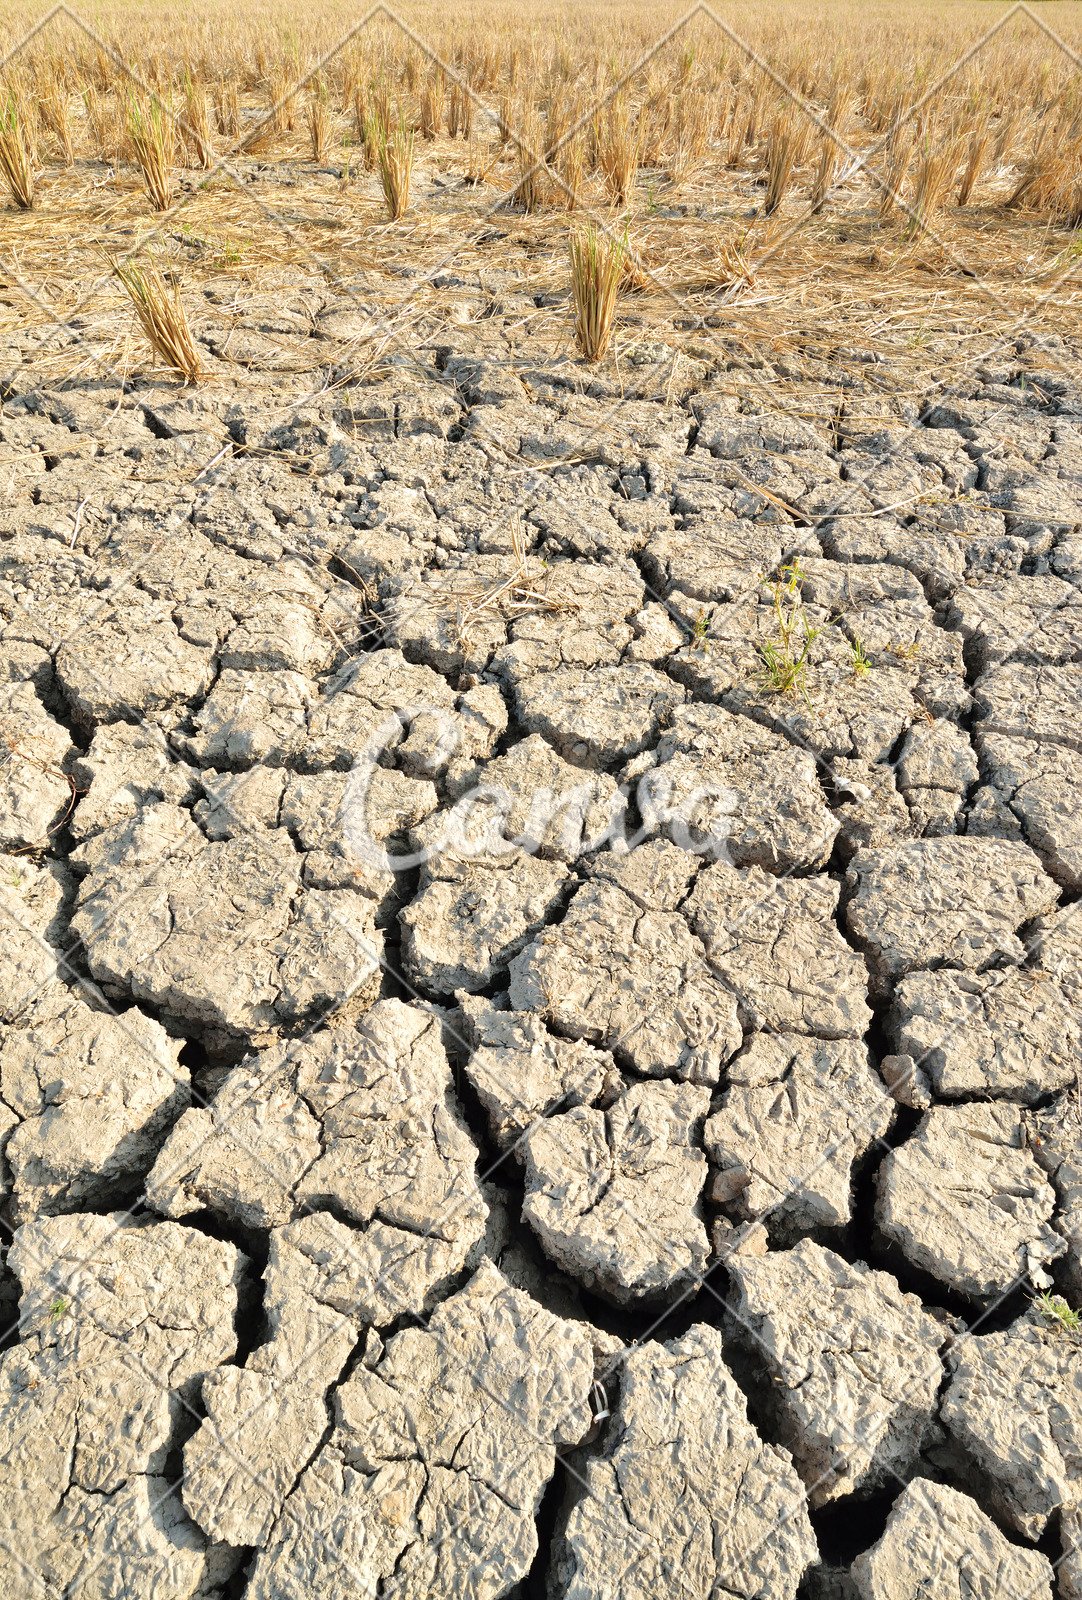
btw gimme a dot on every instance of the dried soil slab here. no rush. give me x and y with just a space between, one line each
1056 946
1039 703
584 617
730 436
532 797
261 615
1025 618
1038 782
120 1321
623 971
869 806
355 835
130 661
852 1362
1014 1405
935 554
685 1498
33 933
1055 1137
796 1114
428 1484
717 559
852 715
836 711
46 591
775 944
884 608
599 717
944 902
614 1195
472 916
265 1420
251 717
454 618
222 934
520 1071
362 1120
965 1201
939 1545
91 1097
723 784
385 708
1011 1034
935 771
126 768
35 794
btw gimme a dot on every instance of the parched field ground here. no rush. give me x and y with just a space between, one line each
541 968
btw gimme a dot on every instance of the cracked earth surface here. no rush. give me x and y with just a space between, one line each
615 1148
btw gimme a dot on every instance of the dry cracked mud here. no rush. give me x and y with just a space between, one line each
496 1097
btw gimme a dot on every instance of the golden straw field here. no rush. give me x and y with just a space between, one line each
855 182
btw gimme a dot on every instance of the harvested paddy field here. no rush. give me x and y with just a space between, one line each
540 846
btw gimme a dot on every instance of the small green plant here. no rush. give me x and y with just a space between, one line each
785 658
59 1308
699 632
1054 1308
860 658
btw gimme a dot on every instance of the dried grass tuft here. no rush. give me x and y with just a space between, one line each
227 108
980 140
394 155
597 269
1051 178
785 148
55 109
318 118
197 134
16 163
161 316
935 175
432 98
153 143
533 187
618 144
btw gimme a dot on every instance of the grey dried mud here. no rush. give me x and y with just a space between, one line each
511 1082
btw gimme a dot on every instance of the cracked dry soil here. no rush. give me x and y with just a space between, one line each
542 1216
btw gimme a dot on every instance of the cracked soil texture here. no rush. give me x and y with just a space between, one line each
496 1099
